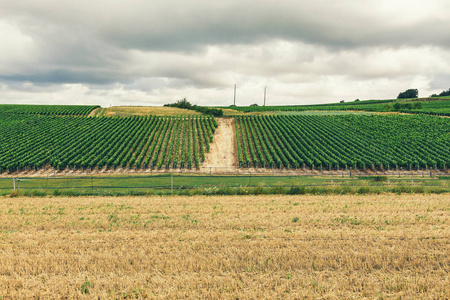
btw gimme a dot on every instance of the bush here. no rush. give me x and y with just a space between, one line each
183 103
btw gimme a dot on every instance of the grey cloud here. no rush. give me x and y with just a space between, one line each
171 26
157 48
440 82
60 76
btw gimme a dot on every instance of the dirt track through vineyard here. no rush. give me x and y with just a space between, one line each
221 156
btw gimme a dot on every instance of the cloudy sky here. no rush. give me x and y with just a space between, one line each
142 52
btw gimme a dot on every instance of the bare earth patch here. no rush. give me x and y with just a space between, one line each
222 155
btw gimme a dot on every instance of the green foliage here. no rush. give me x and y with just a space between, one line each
86 286
442 94
29 141
430 106
410 93
297 190
47 110
183 103
343 142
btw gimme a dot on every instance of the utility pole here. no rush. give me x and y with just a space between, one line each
234 102
265 89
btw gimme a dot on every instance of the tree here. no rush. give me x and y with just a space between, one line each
443 93
410 93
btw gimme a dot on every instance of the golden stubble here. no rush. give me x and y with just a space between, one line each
330 247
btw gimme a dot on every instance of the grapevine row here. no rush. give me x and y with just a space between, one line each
29 141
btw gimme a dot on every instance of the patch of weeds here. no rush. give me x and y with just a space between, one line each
277 190
113 218
401 189
70 193
15 194
211 191
136 294
363 190
345 219
259 190
295 220
188 218
136 193
418 189
86 286
297 190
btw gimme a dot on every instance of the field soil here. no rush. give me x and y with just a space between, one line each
222 154
226 247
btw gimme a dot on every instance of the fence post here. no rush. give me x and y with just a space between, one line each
14 184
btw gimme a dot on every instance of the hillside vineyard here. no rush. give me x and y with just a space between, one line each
346 141
430 106
36 137
35 141
47 110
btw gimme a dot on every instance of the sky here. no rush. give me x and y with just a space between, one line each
140 52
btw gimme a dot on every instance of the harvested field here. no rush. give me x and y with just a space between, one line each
246 247
126 111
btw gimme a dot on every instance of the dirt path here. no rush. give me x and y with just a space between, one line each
221 156
93 112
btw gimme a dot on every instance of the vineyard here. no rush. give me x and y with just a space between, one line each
346 141
35 141
62 137
430 106
47 110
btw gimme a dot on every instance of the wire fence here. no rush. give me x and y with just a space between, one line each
204 181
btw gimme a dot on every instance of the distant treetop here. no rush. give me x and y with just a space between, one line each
443 93
411 93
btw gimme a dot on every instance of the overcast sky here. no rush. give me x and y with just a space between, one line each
137 52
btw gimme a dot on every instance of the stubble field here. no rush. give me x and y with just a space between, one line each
246 247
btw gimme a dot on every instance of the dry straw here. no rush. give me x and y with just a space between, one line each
246 247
